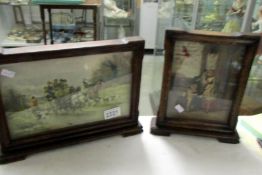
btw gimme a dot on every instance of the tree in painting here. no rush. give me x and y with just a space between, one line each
14 101
71 92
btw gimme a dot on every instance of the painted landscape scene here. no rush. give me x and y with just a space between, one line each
60 93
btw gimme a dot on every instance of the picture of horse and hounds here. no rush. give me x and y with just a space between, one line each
59 93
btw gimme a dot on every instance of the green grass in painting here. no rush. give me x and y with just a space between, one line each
26 123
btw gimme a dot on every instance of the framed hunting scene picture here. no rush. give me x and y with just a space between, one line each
68 93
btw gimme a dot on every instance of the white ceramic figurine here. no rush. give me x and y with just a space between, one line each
112 11
258 23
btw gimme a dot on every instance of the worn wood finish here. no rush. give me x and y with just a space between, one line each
87 6
18 149
250 106
259 142
231 138
21 155
223 132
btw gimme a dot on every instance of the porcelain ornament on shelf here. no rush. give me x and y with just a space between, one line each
235 17
166 9
258 23
112 11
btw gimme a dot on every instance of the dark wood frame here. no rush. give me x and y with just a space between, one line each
162 125
13 150
49 8
259 142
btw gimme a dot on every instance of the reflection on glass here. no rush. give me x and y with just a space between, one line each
119 16
173 13
113 10
204 91
257 18
221 15
178 11
183 13
254 86
54 94
235 17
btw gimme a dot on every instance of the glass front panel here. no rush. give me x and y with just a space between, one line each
53 94
173 13
183 13
204 80
69 26
254 86
221 15
252 102
119 18
257 17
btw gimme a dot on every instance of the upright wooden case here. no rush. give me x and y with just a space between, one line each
53 96
204 79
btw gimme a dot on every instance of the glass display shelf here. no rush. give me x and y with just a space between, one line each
218 15
119 19
70 23
20 36
15 2
22 24
256 26
173 14
221 15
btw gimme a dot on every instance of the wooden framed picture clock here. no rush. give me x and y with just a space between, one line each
54 96
205 76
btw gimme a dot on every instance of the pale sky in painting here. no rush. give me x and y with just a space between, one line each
75 69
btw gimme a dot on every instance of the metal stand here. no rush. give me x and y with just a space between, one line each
49 8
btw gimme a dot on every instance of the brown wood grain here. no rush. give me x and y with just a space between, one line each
16 149
225 132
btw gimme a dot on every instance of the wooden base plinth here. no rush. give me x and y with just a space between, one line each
259 142
23 153
224 138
